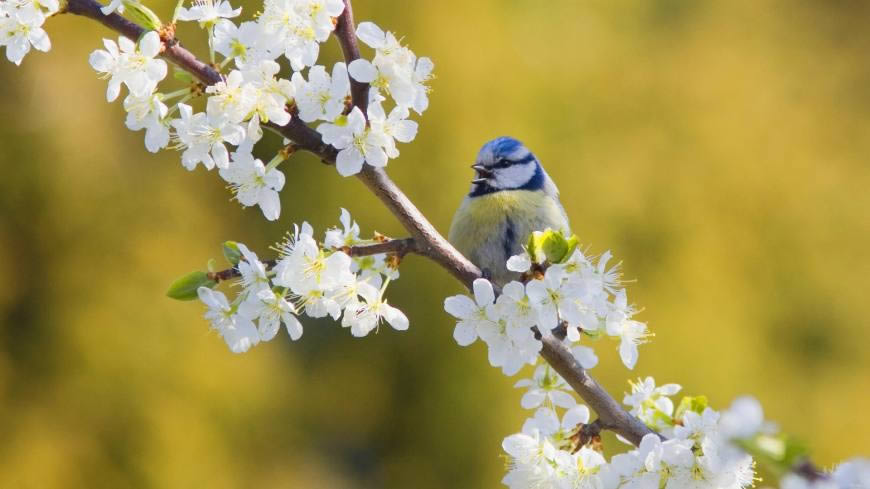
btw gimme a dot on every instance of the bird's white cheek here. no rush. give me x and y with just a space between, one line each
515 176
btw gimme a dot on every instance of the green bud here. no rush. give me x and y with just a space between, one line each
142 15
184 289
211 266
551 246
232 252
695 404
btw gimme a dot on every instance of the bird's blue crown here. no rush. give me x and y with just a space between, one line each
506 164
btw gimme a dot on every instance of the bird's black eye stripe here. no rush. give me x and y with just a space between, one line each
504 162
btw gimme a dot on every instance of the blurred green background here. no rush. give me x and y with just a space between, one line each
719 148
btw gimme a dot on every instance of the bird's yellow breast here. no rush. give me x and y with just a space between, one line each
488 229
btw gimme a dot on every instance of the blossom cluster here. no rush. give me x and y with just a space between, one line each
21 26
702 449
311 278
581 294
253 90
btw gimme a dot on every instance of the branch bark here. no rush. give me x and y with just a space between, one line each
427 241
400 247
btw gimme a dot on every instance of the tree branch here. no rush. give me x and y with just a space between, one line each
400 247
427 241
611 414
345 32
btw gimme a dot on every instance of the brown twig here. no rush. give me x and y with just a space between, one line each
345 32
399 247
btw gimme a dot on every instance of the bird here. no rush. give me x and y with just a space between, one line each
511 197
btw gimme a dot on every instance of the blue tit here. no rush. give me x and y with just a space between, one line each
511 196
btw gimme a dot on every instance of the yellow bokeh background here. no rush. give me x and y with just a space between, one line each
719 149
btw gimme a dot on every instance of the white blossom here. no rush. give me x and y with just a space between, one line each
546 386
554 299
513 303
347 236
148 112
631 333
207 12
202 135
254 184
365 316
519 263
395 70
744 419
584 355
853 474
299 26
253 271
131 64
472 314
21 27
232 99
510 345
394 127
271 94
245 43
306 267
547 422
322 96
357 144
652 404
271 310
237 330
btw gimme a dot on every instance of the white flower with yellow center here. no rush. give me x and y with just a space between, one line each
232 98
322 96
207 12
254 184
203 137
130 64
21 28
357 144
236 329
149 113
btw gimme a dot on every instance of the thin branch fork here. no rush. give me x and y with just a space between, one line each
397 247
427 241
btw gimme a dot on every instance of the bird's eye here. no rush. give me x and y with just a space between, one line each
502 163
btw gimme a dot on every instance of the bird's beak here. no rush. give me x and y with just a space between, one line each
483 174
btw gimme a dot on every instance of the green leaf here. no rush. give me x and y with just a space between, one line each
184 289
695 404
182 76
232 252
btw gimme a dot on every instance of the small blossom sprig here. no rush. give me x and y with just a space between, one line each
703 448
254 91
344 277
570 291
21 26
